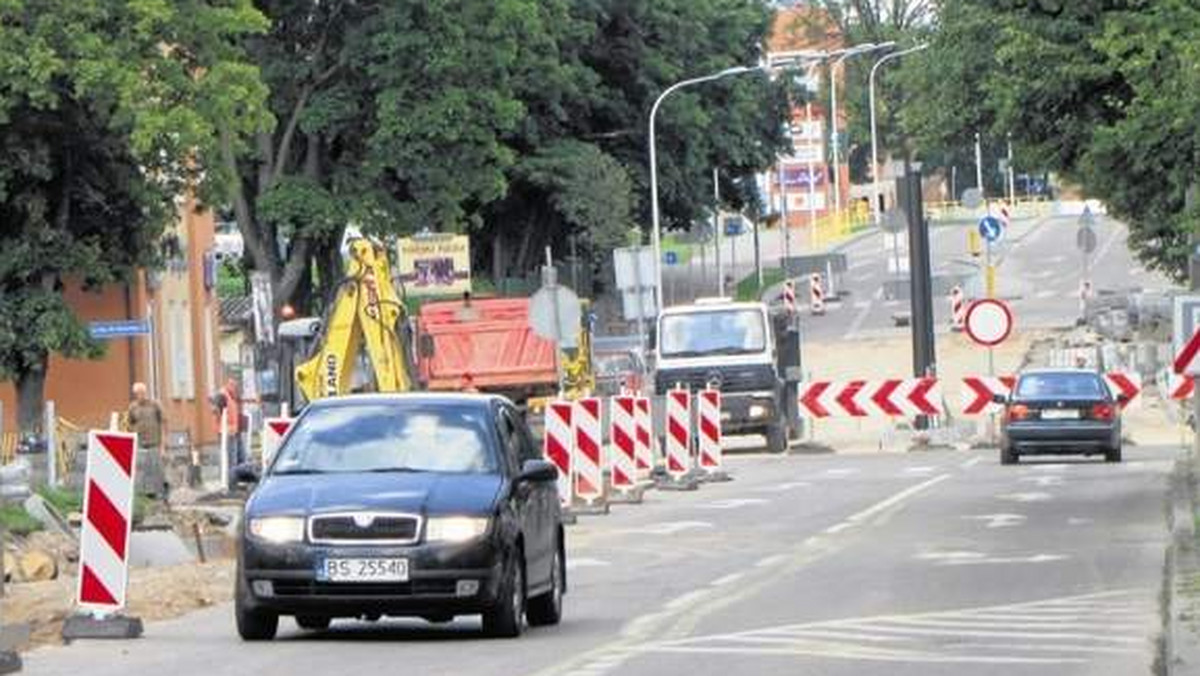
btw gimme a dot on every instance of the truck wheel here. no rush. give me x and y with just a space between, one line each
777 438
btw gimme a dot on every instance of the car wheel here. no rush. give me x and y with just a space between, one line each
776 438
506 619
313 622
546 610
253 624
1113 455
1008 456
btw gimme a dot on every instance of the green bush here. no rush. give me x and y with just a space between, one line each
17 521
749 290
67 501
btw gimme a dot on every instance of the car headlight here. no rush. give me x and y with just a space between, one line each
278 529
455 528
757 411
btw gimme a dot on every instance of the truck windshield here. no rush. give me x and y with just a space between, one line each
712 332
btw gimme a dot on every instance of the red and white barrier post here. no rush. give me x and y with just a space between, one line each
274 429
789 297
644 437
679 433
710 451
589 451
623 433
558 445
816 292
958 308
104 539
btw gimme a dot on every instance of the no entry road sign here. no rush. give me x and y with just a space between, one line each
989 322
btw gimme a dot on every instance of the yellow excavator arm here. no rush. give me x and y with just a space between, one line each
366 313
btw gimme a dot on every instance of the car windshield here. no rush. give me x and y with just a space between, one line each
714 332
613 364
1065 385
381 438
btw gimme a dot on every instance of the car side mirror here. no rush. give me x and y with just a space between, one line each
246 473
1000 399
537 471
1123 399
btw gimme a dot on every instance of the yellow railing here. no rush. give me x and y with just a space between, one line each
833 229
1022 207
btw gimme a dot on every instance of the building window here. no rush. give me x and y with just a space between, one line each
179 344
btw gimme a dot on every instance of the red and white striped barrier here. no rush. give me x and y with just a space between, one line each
274 429
679 432
816 292
644 439
623 433
589 445
107 520
708 419
558 445
978 393
958 309
863 399
789 296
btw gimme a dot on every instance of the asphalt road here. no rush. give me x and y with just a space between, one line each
921 564
1038 271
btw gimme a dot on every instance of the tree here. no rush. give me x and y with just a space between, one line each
1103 92
103 114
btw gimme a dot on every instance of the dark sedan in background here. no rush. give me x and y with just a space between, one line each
1060 411
422 505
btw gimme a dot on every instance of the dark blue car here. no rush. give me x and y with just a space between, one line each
417 505
1060 411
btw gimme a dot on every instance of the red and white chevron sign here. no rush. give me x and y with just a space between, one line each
623 432
679 432
1181 387
107 519
978 393
863 398
643 420
1128 384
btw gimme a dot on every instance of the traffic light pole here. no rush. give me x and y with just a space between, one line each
908 189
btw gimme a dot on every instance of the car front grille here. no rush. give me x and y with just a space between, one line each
364 528
306 588
730 378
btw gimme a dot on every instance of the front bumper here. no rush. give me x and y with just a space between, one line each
435 571
749 411
1074 437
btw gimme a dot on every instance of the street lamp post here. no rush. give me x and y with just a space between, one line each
833 116
874 129
655 232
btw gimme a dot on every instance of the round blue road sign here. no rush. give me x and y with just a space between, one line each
670 258
991 229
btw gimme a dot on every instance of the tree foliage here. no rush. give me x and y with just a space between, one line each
104 111
1103 91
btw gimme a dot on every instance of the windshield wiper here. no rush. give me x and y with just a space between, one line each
286 472
393 470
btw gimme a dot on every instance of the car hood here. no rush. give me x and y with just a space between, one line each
421 493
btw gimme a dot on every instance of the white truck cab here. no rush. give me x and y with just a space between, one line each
730 345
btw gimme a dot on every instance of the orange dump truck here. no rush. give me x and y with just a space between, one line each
485 344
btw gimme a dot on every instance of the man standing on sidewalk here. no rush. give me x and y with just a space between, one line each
146 419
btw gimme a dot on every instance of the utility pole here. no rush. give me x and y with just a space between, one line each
978 163
908 192
1012 181
717 231
783 214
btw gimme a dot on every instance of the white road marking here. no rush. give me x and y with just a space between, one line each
1045 293
728 579
862 304
841 471
998 520
1055 467
971 463
923 469
577 562
669 528
782 488
861 317
884 505
1026 497
771 561
834 530
1043 481
733 503
979 558
1079 521
687 599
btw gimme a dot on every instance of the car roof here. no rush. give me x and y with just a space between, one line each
1059 371
714 307
407 398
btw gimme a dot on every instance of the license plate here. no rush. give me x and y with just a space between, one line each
363 570
1060 414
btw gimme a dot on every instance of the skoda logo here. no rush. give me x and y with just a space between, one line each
364 520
